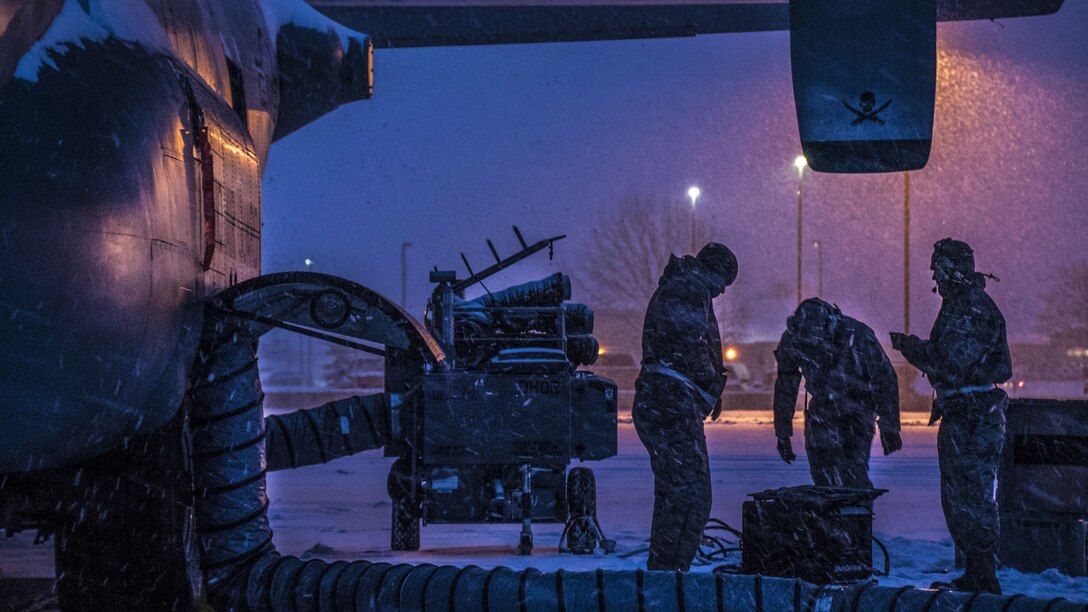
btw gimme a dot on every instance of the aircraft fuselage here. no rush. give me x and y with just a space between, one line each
130 160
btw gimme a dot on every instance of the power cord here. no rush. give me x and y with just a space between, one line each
715 547
586 545
887 558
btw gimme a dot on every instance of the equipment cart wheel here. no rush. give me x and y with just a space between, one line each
405 493
582 511
405 525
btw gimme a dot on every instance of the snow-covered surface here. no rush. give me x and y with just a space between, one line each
134 21
128 20
279 13
341 511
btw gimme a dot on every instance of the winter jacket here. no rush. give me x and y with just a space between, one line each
967 347
680 331
848 374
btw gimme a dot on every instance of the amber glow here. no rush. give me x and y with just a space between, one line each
730 353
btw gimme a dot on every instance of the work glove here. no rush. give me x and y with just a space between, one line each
785 450
890 441
897 340
905 343
717 411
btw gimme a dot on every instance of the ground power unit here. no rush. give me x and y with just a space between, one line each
819 534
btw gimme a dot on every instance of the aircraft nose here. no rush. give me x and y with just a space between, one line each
73 315
97 254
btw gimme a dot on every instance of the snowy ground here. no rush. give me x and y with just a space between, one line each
341 511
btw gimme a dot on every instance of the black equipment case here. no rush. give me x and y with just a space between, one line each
819 534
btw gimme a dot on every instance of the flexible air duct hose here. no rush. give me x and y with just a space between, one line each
582 349
243 571
229 459
330 431
579 318
548 291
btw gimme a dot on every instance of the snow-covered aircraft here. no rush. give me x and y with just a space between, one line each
133 135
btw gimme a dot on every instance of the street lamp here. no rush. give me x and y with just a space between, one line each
404 274
306 344
819 244
800 163
906 252
693 193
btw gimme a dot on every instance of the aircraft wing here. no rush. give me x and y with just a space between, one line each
435 23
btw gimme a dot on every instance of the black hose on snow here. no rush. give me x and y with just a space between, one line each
330 431
243 571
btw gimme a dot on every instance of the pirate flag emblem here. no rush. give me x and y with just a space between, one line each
867 101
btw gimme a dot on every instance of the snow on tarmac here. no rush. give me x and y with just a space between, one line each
341 511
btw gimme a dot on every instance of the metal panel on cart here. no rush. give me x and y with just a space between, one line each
500 418
1043 486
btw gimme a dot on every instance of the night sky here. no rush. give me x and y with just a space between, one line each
459 143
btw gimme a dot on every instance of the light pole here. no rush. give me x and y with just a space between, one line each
307 344
404 274
906 252
693 193
819 244
799 162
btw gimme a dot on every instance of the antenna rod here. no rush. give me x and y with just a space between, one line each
494 253
468 267
517 233
526 251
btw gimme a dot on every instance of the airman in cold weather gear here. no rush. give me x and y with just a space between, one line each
679 385
967 353
852 384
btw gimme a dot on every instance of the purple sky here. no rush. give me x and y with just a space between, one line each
460 143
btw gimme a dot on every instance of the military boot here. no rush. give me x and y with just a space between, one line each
980 577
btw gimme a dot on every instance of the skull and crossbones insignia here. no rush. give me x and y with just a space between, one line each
867 101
